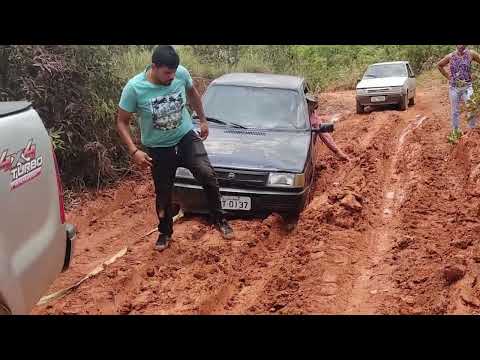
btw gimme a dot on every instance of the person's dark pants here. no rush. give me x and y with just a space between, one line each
189 153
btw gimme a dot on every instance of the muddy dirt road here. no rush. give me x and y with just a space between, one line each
396 231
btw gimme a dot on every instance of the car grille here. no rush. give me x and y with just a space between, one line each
241 178
246 132
378 90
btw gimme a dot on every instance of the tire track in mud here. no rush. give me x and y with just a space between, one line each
349 282
440 225
382 236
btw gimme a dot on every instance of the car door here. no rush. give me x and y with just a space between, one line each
306 90
412 82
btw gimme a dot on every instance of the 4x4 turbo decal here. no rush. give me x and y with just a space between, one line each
23 165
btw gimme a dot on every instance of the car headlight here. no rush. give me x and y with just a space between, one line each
286 180
362 91
397 89
184 173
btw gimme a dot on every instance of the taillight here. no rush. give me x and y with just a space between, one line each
60 188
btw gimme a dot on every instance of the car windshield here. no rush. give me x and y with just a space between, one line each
255 107
385 70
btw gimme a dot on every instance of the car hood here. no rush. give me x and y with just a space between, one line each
257 149
382 82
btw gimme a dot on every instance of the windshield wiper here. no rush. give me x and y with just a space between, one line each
372 76
222 122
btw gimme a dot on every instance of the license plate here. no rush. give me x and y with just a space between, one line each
377 98
236 203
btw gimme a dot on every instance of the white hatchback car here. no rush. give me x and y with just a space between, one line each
387 83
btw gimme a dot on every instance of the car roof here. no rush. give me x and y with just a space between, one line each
260 80
391 62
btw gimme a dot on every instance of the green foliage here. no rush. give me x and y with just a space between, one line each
75 90
454 136
228 54
325 67
472 107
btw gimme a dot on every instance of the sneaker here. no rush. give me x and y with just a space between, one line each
225 229
162 242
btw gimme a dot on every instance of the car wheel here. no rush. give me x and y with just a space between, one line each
404 103
360 108
411 102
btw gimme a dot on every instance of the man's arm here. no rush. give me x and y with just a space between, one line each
196 103
328 138
475 56
330 143
441 66
123 127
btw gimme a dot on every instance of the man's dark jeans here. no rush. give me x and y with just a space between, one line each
189 153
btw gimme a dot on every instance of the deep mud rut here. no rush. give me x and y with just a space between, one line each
396 231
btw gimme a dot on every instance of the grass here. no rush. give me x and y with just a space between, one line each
431 77
454 137
325 67
131 63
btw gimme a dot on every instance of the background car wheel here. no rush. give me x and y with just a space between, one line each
404 103
360 108
411 102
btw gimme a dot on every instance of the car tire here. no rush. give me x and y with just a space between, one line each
360 108
404 103
411 102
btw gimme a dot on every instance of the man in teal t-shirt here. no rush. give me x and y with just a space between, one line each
158 96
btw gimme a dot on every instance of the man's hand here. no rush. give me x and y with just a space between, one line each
142 159
203 129
342 156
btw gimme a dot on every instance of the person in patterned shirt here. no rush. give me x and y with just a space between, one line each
460 82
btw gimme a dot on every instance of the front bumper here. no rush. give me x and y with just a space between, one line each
71 235
192 199
390 99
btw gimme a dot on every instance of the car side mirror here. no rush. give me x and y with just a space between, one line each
324 128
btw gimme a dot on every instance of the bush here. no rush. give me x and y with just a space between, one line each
75 90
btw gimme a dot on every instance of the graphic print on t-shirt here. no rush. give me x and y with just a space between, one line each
167 111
